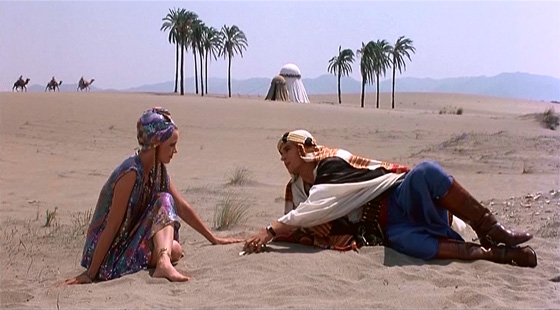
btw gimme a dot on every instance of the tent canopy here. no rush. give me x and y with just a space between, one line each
296 90
290 70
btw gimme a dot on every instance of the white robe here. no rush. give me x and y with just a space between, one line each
327 202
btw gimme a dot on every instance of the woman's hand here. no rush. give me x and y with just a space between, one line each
81 279
226 240
257 242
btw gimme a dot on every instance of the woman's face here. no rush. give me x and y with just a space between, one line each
289 155
168 148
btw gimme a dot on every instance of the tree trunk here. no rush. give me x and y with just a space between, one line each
377 76
363 91
176 66
201 76
339 99
206 72
182 70
229 75
195 71
393 91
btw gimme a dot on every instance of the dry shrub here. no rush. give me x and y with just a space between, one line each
240 176
526 168
80 222
458 111
549 119
550 229
230 211
50 217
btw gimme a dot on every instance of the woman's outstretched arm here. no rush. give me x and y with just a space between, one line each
189 215
123 189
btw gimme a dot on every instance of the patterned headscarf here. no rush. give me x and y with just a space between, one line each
300 137
154 127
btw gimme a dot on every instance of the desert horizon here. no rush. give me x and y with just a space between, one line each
479 96
510 85
57 150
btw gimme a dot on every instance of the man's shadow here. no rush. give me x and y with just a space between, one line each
391 258
291 248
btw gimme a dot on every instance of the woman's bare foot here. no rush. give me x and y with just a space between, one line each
164 269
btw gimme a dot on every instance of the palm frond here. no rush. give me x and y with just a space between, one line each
403 47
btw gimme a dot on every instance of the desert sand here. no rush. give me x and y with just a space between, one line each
57 149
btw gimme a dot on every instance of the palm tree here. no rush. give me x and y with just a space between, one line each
381 61
366 66
233 41
211 40
180 24
341 65
401 48
196 35
171 22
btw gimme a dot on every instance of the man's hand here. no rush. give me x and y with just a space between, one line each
257 242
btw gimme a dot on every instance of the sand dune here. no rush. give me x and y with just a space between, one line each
57 149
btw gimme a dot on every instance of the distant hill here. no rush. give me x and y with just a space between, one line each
510 85
253 86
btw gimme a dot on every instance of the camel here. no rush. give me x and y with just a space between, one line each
83 84
53 85
20 83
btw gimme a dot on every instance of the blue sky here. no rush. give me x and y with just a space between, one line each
119 43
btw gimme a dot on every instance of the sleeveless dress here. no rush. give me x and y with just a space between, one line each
132 247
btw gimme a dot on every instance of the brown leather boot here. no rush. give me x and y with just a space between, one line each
516 256
489 231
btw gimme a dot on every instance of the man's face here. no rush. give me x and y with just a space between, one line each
289 155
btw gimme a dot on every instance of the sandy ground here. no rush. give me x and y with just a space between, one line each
57 149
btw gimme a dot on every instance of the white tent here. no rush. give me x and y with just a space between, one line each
296 90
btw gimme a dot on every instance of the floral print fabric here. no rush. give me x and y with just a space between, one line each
132 247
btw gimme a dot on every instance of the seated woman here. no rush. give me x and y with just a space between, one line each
333 192
135 224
